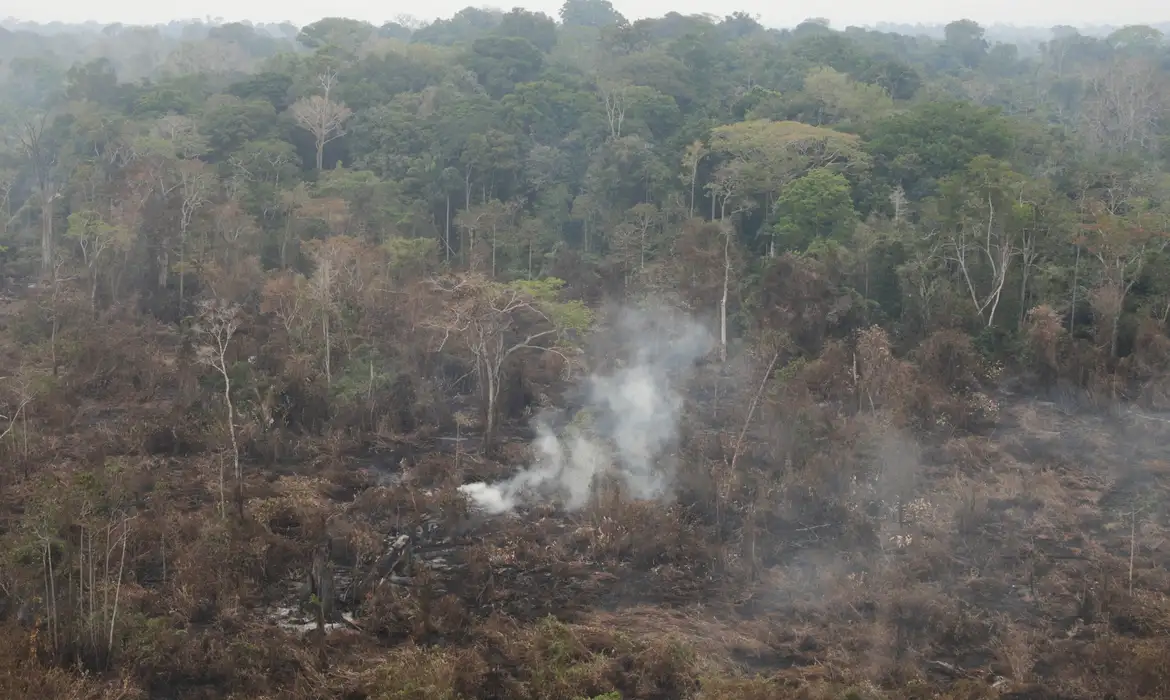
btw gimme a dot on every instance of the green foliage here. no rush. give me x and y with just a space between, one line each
932 140
569 316
336 35
228 124
500 62
366 373
816 205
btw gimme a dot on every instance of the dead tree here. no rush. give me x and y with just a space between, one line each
218 322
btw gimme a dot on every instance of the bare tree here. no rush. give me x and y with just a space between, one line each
321 116
727 188
7 183
616 98
15 408
1125 100
693 155
966 245
631 239
338 270
95 236
218 322
32 139
195 185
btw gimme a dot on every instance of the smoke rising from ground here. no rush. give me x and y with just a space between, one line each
629 420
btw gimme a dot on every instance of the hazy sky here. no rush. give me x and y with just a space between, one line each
1043 13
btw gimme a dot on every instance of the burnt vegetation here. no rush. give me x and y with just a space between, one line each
273 296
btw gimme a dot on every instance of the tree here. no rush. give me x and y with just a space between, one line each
774 152
483 225
536 27
981 220
7 183
195 186
917 148
217 324
337 270
36 142
95 236
1125 101
692 156
497 321
632 239
964 40
321 116
501 62
727 188
1121 243
816 205
839 98
590 13
336 34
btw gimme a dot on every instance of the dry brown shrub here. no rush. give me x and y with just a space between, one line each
1104 387
1044 341
1148 367
949 359
731 688
23 675
1107 301
643 533
1126 668
298 505
420 611
830 376
1015 650
884 381
220 565
414 672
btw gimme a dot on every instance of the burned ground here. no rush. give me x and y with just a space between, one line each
1022 557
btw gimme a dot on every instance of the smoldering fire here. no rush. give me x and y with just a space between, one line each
633 417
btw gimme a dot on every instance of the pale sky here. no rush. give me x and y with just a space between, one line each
1042 13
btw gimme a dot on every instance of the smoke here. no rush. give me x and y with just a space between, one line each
629 420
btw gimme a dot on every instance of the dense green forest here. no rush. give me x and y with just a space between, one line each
272 296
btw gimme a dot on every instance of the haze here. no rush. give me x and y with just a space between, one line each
841 13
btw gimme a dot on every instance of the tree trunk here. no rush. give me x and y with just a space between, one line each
231 412
1072 309
285 240
321 590
320 153
46 229
328 353
694 177
489 420
1113 332
93 291
53 340
723 301
182 267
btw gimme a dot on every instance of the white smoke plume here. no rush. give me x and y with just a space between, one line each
634 411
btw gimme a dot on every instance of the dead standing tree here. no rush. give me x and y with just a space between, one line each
321 116
217 323
196 184
34 142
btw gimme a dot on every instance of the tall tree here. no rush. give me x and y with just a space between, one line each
322 116
495 322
